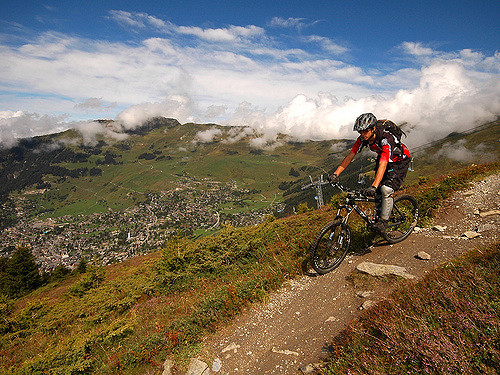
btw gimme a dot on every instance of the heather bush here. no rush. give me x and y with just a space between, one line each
448 323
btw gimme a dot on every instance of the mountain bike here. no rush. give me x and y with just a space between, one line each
332 243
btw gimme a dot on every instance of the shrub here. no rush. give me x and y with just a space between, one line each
147 156
21 274
6 308
447 323
60 272
91 279
303 207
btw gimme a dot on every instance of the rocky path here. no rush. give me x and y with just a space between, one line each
292 330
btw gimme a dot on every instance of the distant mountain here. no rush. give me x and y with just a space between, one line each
63 169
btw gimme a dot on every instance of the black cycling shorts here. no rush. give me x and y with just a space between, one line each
395 174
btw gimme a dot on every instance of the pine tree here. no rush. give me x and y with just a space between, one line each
4 279
60 272
22 272
82 266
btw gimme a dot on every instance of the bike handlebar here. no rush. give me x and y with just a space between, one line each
351 192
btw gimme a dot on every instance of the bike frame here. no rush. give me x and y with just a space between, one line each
350 206
332 242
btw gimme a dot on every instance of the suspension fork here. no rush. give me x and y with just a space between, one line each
348 209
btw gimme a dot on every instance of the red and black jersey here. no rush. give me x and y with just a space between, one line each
386 145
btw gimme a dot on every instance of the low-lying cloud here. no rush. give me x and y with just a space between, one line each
91 131
459 152
16 125
180 107
207 136
448 98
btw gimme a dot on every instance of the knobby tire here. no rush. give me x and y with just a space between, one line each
330 247
403 219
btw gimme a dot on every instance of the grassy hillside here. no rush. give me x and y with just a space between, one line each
129 317
156 159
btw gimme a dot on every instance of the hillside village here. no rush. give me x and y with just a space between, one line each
114 236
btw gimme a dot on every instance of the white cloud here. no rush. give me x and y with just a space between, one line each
137 20
178 107
82 69
340 147
10 114
235 134
90 131
94 103
231 34
15 125
291 23
460 152
207 136
215 111
327 44
287 23
448 98
492 63
215 73
416 49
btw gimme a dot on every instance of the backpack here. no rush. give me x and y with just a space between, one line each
395 130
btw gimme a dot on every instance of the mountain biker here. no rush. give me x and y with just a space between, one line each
392 162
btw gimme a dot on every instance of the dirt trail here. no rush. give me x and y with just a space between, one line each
294 327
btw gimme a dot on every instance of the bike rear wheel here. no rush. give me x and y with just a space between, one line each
403 219
330 247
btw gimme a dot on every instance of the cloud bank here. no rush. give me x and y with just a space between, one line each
458 151
16 125
303 85
447 98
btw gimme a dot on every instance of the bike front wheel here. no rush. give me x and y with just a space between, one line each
403 219
330 247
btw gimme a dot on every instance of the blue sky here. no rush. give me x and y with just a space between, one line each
301 68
